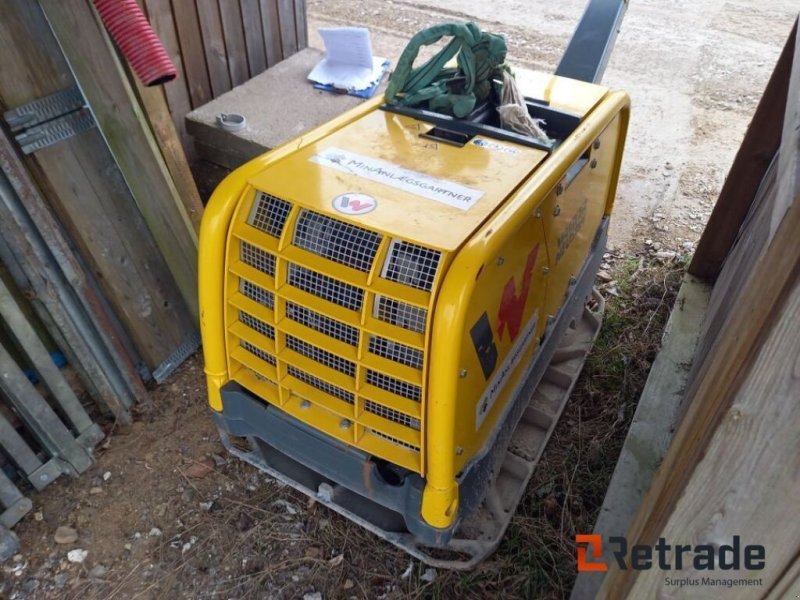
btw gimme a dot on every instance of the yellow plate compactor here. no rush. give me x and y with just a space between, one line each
396 305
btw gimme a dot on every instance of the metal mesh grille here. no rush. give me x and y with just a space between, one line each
323 386
257 352
257 324
395 386
336 240
393 440
258 259
391 414
269 214
325 287
323 324
257 293
400 314
321 356
396 351
412 265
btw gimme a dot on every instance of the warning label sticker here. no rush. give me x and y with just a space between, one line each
414 182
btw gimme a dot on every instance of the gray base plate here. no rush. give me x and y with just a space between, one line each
480 534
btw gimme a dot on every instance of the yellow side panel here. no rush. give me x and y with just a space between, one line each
504 322
572 214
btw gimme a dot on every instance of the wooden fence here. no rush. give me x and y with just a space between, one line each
732 466
219 44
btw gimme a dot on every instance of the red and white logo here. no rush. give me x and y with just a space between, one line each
354 204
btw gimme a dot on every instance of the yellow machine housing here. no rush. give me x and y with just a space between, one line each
379 290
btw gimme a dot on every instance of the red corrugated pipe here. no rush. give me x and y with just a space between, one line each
137 41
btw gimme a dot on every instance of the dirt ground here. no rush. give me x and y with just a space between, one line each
165 513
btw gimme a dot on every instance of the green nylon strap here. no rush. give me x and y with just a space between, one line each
480 57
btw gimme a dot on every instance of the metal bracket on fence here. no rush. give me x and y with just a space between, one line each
183 352
49 120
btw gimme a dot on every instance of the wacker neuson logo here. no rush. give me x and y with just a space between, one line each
671 558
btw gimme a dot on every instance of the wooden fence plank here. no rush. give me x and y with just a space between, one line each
759 146
159 12
789 159
106 87
301 24
208 15
130 267
253 36
233 30
158 114
288 28
271 30
748 473
191 44
31 71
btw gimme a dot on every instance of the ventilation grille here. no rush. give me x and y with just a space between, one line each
395 351
412 265
323 324
400 314
257 352
395 386
257 324
325 287
257 293
391 414
258 259
323 386
393 440
338 241
321 356
270 214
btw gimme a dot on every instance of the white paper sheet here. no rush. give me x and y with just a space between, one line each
348 62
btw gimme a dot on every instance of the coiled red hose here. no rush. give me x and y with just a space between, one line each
137 41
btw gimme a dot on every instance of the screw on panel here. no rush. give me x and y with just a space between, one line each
500 260
538 213
459 451
546 270
596 144
550 319
572 280
593 164
559 189
344 424
557 210
305 404
462 373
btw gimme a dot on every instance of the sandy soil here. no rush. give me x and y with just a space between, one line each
166 514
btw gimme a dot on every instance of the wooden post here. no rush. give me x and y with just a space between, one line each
761 142
104 84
